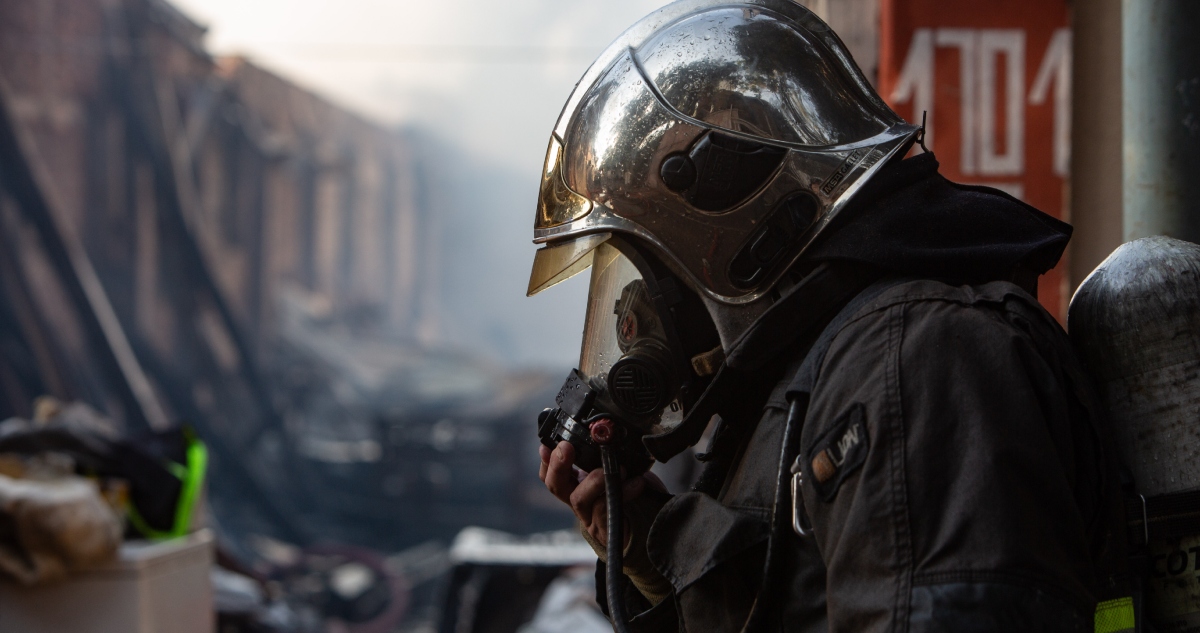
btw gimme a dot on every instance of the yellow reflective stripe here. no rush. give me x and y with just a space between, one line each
1115 616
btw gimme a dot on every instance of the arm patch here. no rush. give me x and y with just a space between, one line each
838 452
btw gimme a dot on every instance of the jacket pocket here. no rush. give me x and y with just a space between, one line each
713 557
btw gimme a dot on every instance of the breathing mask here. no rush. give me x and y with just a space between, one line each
635 375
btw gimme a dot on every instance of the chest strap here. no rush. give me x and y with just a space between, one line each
1161 517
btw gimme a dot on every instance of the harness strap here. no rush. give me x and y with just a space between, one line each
1167 516
783 518
800 390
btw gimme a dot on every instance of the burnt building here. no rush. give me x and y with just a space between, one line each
187 238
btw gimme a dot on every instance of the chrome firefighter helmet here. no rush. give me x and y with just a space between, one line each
725 136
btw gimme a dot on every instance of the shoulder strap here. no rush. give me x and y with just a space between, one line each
798 394
784 515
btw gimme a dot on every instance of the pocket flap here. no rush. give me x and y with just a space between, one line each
694 533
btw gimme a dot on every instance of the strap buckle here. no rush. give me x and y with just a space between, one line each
799 517
1145 521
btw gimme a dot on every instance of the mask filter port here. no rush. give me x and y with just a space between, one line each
638 382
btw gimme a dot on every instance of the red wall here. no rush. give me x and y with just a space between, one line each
994 77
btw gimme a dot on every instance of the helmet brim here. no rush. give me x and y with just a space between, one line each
556 263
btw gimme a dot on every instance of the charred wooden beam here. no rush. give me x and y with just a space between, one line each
26 181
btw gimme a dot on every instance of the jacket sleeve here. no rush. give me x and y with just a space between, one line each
947 479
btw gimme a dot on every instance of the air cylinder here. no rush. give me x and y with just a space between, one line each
1136 323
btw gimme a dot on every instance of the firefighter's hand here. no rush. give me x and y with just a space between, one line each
643 497
585 492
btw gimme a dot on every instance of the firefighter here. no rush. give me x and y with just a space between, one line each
901 437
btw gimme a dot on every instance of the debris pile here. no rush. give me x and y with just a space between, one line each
71 486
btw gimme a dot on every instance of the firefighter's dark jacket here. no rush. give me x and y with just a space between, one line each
951 457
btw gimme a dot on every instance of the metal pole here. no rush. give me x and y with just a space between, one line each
1096 138
1096 169
1161 138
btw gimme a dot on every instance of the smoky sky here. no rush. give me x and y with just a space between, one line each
480 84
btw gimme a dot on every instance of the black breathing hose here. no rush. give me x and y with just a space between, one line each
614 588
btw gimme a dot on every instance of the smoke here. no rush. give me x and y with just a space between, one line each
484 221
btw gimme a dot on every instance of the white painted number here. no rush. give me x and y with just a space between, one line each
984 87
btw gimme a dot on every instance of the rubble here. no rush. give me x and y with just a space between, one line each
51 527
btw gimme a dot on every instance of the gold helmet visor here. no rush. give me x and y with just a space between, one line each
557 263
